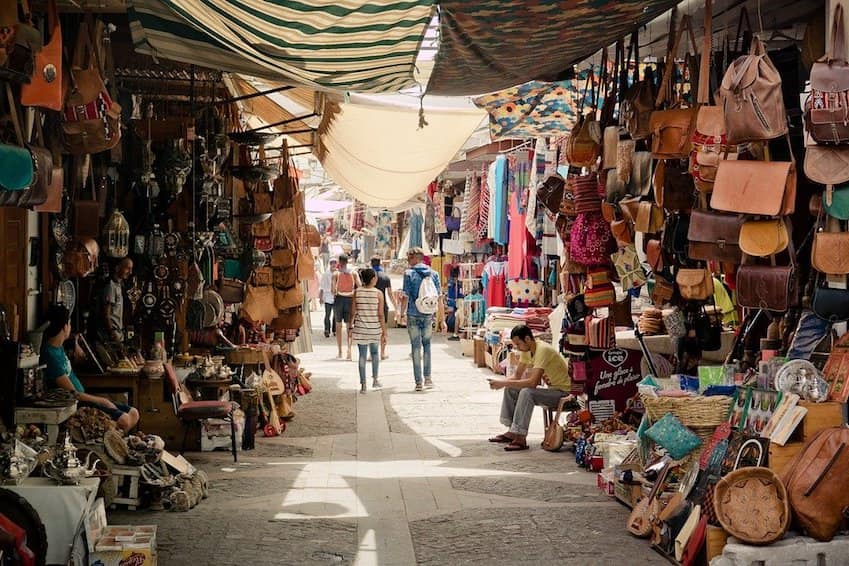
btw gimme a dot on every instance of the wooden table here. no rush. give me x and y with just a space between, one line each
113 383
52 417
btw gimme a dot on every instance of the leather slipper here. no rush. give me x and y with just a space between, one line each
501 438
514 447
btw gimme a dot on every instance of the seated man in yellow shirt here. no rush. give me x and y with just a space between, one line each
538 362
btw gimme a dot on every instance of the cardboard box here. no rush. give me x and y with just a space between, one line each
467 347
125 545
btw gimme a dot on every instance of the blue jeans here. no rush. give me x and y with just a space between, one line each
364 349
420 329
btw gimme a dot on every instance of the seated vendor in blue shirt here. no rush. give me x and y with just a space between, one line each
59 373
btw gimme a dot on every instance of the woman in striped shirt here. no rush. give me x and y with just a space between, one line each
368 326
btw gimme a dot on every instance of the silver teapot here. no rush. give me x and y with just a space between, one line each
65 468
16 463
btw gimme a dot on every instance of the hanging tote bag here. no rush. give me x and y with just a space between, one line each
582 147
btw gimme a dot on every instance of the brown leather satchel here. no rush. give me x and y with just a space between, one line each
649 218
262 276
671 132
815 479
232 290
828 165
55 192
752 99
662 292
610 147
673 185
285 277
630 208
258 305
769 287
582 148
291 319
764 238
828 104
830 253
695 284
91 118
623 232
282 258
261 229
288 298
714 236
45 86
766 188
306 265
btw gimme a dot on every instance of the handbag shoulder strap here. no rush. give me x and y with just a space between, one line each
82 48
13 110
664 94
704 66
837 50
746 35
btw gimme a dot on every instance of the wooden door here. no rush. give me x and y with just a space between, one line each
13 273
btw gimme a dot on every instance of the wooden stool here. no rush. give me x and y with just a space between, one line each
127 484
568 403
51 417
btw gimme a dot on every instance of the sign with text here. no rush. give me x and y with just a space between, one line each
614 375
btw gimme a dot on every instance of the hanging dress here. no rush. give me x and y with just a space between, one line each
494 279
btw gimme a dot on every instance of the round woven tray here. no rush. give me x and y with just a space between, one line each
751 504
699 412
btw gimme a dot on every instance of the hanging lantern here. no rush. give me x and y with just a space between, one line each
116 234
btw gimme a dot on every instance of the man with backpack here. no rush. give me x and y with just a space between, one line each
345 282
424 300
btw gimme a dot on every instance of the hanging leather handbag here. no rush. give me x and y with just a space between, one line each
610 147
261 229
831 304
671 132
709 143
827 165
615 189
285 299
282 258
830 253
675 236
638 102
671 129
769 287
640 181
766 188
708 330
714 236
673 185
649 218
291 319
662 292
91 118
827 107
306 265
654 255
839 206
262 203
232 290
55 192
623 231
258 304
764 238
45 87
695 284
752 99
285 277
582 147
550 193
262 276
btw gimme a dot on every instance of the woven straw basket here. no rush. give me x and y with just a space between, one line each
693 412
751 504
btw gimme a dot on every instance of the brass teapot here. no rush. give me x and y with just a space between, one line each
65 468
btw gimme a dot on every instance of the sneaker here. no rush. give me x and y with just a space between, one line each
428 383
327 335
375 384
363 388
419 387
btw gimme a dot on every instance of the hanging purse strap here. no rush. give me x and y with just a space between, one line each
704 65
664 94
746 34
16 119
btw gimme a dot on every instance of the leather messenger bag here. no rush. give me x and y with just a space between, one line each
769 287
766 188
715 236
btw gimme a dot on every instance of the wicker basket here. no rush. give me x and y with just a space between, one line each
751 504
699 412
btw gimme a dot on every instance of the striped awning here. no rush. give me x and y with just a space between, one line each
351 45
489 45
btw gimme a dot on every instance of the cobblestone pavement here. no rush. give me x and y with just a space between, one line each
395 478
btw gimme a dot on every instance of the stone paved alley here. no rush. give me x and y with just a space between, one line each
395 478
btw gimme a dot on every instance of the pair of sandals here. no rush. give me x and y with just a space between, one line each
512 444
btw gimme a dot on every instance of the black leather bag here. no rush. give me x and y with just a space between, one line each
550 193
708 331
675 240
831 304
577 309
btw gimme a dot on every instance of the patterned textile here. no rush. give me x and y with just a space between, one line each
525 292
384 231
535 108
358 221
483 218
439 213
471 206
537 170
489 45
349 45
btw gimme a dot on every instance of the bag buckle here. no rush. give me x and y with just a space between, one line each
720 243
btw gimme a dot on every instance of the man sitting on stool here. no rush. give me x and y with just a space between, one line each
59 373
538 363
